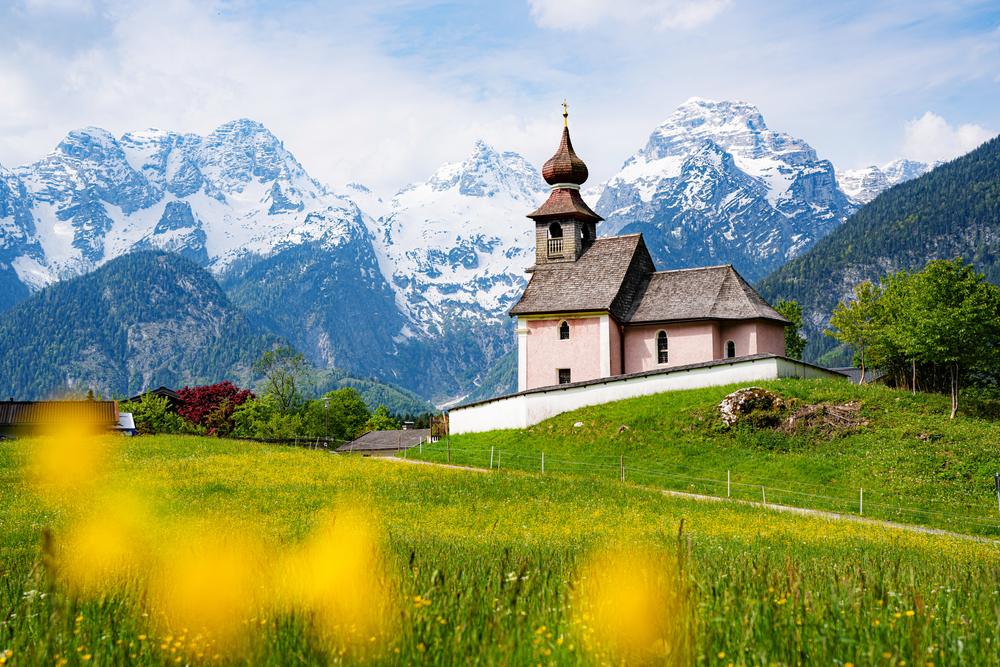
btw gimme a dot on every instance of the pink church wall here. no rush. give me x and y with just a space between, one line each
546 353
753 337
694 342
616 347
687 343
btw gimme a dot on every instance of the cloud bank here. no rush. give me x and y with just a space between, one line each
930 138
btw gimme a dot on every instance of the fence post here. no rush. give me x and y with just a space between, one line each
861 511
491 457
543 463
996 482
763 495
499 452
729 489
623 468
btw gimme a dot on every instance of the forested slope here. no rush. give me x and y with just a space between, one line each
952 211
140 321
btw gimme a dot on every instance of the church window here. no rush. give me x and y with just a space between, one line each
730 349
661 347
564 377
564 330
555 231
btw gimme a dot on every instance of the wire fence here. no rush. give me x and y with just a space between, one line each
973 516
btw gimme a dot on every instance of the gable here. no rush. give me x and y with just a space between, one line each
607 277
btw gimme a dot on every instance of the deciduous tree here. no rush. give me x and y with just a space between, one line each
854 323
287 375
952 318
795 343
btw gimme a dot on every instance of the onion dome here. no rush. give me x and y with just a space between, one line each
565 166
565 172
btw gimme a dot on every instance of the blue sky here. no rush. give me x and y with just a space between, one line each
384 92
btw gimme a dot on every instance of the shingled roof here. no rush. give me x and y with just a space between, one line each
386 441
30 413
564 203
616 274
602 279
709 293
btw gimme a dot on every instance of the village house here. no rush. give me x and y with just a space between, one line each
598 308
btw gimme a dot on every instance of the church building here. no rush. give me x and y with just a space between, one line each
596 307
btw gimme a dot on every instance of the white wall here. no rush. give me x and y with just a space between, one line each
524 410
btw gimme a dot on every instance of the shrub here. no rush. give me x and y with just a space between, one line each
203 403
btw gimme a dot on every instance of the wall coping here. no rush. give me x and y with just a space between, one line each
643 374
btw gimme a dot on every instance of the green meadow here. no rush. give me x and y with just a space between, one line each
175 550
915 464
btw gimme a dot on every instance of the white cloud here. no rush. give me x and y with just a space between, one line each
931 138
664 14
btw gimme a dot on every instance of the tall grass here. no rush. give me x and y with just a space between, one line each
463 568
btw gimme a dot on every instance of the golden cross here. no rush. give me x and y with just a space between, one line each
565 113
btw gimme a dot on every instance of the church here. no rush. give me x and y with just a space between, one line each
596 307
598 323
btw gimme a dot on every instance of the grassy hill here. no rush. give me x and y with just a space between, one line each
184 550
914 464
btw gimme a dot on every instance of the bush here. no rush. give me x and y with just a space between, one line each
212 405
153 415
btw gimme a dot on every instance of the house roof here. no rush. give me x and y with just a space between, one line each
386 440
709 293
593 282
617 275
58 412
171 395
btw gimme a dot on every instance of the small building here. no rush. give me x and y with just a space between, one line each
598 308
386 443
24 418
172 397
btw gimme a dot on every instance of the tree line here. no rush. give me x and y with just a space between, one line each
284 409
936 330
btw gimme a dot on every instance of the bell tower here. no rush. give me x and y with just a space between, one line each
564 225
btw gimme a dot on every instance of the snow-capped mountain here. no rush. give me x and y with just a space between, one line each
214 199
863 185
459 242
714 185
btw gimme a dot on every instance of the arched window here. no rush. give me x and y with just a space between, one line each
555 231
730 349
584 232
661 347
564 330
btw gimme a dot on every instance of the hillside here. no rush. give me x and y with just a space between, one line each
951 211
140 321
902 449
374 393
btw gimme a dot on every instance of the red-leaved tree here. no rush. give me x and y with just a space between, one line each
212 403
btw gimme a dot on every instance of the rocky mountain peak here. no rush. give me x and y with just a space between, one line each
713 184
488 173
242 151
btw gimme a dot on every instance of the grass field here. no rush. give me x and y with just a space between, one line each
914 464
185 550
